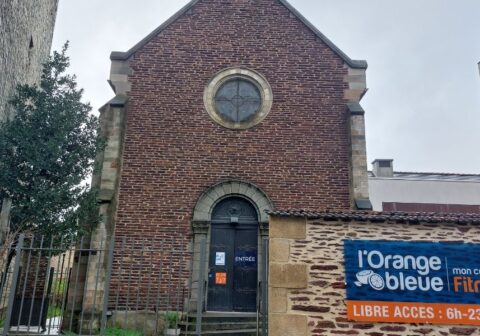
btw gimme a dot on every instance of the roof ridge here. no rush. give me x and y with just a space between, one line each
120 55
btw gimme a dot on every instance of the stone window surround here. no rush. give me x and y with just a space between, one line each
202 219
227 74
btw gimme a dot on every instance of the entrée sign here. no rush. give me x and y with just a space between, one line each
412 282
246 258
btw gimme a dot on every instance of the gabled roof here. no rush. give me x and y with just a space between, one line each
358 64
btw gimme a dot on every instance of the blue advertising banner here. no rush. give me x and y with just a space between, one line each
446 276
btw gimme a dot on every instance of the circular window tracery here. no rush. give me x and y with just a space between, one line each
238 98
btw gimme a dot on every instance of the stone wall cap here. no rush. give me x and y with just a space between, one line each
118 101
382 217
356 64
355 109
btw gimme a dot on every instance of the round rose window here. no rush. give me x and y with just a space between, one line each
238 98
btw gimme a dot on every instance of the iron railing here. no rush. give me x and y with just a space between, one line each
52 285
262 305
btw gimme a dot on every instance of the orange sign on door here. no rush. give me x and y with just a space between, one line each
221 278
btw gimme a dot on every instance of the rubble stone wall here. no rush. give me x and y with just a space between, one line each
307 275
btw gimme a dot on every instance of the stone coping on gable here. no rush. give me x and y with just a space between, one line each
381 217
355 64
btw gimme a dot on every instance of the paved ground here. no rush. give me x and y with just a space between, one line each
53 325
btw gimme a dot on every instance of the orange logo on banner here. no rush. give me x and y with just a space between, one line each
220 278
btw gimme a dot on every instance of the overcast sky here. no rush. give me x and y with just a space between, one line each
423 103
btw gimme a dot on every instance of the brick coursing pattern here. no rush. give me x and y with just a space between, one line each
20 23
173 151
324 299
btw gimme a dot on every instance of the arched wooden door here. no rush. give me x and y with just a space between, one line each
232 277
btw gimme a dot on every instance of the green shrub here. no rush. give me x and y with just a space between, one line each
54 311
59 286
68 333
122 332
172 319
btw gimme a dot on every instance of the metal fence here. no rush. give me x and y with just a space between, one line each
53 286
262 306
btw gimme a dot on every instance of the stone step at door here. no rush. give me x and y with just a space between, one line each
232 324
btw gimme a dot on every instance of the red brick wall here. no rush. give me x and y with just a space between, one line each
298 155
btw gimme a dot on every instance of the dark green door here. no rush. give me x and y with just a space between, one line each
232 278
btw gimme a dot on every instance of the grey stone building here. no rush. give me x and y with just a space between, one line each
26 30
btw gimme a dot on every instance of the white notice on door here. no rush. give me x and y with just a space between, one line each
220 259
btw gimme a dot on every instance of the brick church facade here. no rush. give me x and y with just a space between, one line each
228 109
